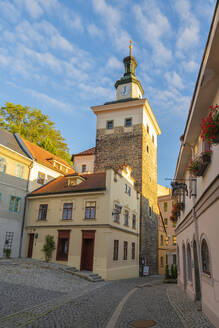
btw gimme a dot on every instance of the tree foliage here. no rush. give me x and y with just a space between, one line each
34 126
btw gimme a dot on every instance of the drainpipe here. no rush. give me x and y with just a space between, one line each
25 206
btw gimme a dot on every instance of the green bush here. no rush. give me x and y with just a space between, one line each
48 247
167 275
7 252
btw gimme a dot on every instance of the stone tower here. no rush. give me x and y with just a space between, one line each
127 133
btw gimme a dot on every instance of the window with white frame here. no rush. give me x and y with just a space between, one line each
126 217
67 211
15 204
117 210
90 210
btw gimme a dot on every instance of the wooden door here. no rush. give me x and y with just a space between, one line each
87 252
30 247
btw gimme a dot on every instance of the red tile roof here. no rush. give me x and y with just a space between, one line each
93 182
90 151
46 158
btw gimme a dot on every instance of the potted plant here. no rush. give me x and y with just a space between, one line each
198 165
210 126
48 247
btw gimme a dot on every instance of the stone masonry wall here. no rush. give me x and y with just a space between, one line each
129 145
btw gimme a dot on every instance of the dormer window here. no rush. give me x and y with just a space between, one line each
75 180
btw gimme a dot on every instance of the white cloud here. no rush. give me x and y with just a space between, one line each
174 80
155 26
33 8
94 31
9 11
190 66
114 63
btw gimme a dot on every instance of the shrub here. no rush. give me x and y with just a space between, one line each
48 247
7 252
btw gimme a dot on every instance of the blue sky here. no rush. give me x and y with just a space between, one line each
63 56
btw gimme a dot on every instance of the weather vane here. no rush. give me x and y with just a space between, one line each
130 47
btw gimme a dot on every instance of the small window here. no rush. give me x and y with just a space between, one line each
129 191
148 129
147 149
126 218
90 210
161 261
126 188
2 165
133 221
42 212
150 211
67 211
152 138
83 168
165 206
133 251
15 204
109 125
166 222
115 250
117 215
125 250
205 257
19 172
128 122
41 178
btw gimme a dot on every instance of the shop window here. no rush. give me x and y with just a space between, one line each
42 212
205 257
67 211
90 210
174 259
115 250
125 250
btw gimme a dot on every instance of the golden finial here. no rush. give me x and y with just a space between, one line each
130 48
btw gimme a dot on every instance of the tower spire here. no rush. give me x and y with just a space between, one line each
130 48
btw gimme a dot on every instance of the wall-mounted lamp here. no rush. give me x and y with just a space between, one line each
117 210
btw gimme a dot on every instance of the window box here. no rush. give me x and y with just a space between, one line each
198 166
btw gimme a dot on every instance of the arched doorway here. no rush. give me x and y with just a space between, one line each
197 275
184 266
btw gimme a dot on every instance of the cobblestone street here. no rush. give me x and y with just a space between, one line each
36 294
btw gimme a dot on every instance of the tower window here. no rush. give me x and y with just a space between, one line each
152 138
109 125
147 149
148 129
128 122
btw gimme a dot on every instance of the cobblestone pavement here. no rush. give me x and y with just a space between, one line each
35 296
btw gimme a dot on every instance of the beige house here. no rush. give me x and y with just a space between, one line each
167 236
198 225
94 219
84 161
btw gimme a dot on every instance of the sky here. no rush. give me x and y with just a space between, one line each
64 56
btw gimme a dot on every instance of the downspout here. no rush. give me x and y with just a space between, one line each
24 212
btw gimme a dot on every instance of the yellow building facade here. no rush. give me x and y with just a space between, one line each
94 219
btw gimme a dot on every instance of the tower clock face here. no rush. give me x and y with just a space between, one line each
124 90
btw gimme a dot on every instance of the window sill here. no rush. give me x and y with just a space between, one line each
126 225
61 259
117 222
64 220
44 220
90 219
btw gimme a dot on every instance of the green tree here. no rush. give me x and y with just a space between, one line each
34 126
48 247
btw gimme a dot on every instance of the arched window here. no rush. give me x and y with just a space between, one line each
189 262
205 257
